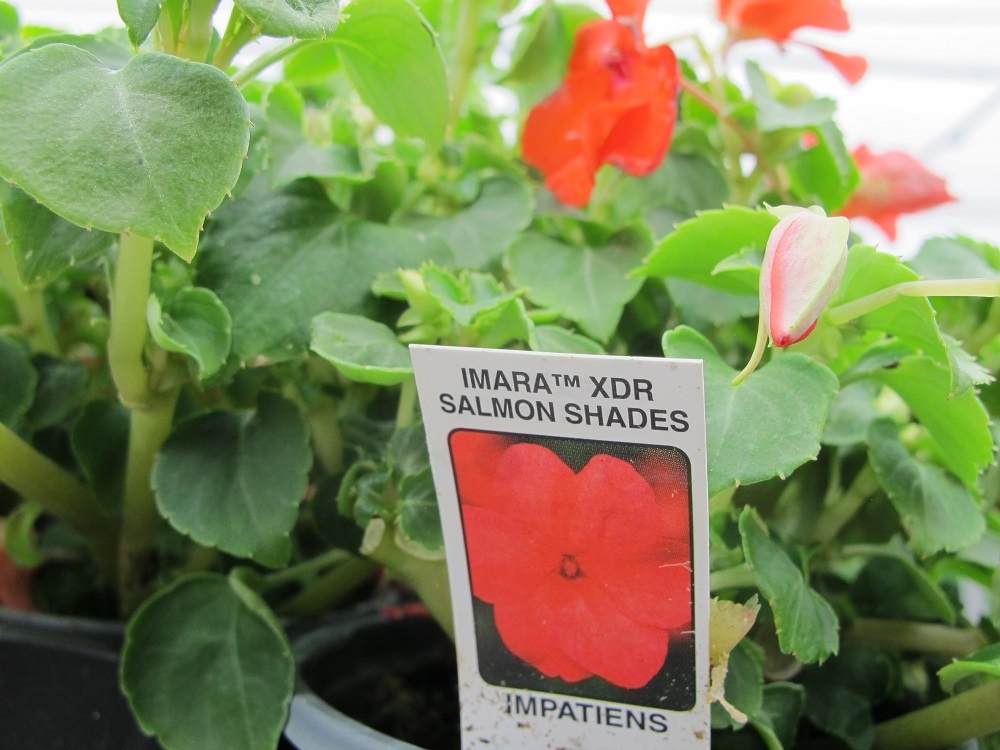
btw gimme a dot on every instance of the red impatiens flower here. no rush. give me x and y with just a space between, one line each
891 184
777 20
617 105
584 575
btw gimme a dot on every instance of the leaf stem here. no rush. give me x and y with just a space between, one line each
465 58
239 32
197 37
932 288
737 577
39 479
945 724
330 588
30 303
836 515
127 337
925 637
245 76
303 569
407 403
327 439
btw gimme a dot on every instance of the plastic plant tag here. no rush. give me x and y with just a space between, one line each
573 499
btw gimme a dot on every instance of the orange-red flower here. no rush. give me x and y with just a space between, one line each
891 184
777 20
584 575
617 105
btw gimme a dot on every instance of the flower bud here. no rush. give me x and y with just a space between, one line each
804 261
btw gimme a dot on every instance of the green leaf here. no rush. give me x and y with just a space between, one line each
702 306
362 349
588 285
336 529
251 468
18 380
393 59
806 624
500 326
467 296
313 63
419 524
304 19
825 173
140 17
292 156
911 319
479 233
44 243
149 149
695 249
787 400
958 426
278 259
985 661
20 540
966 372
777 722
99 440
744 684
956 258
852 410
773 115
205 664
843 714
558 339
196 323
57 393
114 55
938 513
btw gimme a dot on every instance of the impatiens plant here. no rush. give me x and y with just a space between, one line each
213 254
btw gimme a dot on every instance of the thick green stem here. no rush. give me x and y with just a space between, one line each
836 515
465 58
429 578
245 76
41 480
330 588
407 406
946 288
327 439
239 32
737 577
303 569
945 724
127 338
924 637
198 35
30 303
140 519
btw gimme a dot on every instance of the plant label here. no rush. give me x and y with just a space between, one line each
574 503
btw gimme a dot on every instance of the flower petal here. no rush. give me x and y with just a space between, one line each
474 456
508 557
778 19
851 67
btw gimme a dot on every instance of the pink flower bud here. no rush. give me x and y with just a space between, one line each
804 261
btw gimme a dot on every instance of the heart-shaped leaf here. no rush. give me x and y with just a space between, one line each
206 664
196 323
304 19
362 349
768 425
251 468
418 528
149 149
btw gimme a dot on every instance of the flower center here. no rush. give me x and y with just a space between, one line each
569 568
620 67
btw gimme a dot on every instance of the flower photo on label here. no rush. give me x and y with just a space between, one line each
580 562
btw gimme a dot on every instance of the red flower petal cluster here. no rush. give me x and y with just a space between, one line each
777 20
588 573
617 105
891 184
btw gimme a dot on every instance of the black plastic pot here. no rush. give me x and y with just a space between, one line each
398 676
59 685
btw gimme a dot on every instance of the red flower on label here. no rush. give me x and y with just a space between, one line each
777 20
584 575
891 184
617 105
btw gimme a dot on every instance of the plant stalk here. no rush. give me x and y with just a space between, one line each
407 406
836 515
239 33
329 588
198 34
945 724
248 74
945 288
924 637
40 480
127 337
737 577
30 303
465 58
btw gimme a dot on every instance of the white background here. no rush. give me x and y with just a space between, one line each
932 89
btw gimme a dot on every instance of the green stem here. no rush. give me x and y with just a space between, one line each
330 588
758 351
945 724
737 577
429 578
924 637
127 337
465 58
836 515
41 480
407 404
946 288
245 76
30 303
239 32
303 569
199 30
140 519
327 439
